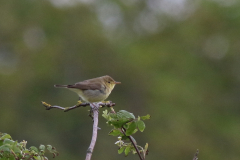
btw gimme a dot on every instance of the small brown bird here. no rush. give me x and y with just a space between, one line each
93 90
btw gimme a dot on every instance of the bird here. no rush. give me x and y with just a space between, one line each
92 90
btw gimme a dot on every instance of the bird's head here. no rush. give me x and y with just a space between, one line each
110 82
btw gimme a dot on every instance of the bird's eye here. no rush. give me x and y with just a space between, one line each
109 82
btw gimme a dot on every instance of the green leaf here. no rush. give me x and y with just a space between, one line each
8 141
120 118
52 150
127 150
26 151
105 114
125 114
125 138
11 158
5 136
42 147
5 148
131 128
37 157
145 117
1 142
49 147
141 125
33 148
146 147
120 150
114 132
113 115
15 148
135 131
118 123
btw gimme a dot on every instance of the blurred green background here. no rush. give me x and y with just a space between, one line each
178 60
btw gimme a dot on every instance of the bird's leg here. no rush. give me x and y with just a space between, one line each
79 102
75 106
105 102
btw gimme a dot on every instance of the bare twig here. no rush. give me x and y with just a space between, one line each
79 104
95 111
134 143
196 154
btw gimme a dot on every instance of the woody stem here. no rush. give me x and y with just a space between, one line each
95 128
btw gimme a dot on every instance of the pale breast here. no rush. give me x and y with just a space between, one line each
94 95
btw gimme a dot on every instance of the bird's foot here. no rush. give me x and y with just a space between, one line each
79 102
106 101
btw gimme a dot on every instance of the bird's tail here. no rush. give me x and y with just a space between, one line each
60 86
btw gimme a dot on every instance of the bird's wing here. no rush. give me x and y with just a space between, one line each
85 85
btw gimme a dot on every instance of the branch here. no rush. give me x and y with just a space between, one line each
196 154
79 104
95 111
134 144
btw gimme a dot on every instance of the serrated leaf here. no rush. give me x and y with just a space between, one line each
127 150
141 125
120 150
125 114
120 118
145 117
131 128
114 132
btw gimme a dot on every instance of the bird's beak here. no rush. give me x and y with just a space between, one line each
117 82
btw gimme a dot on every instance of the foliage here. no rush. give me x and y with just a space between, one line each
125 125
181 69
12 150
